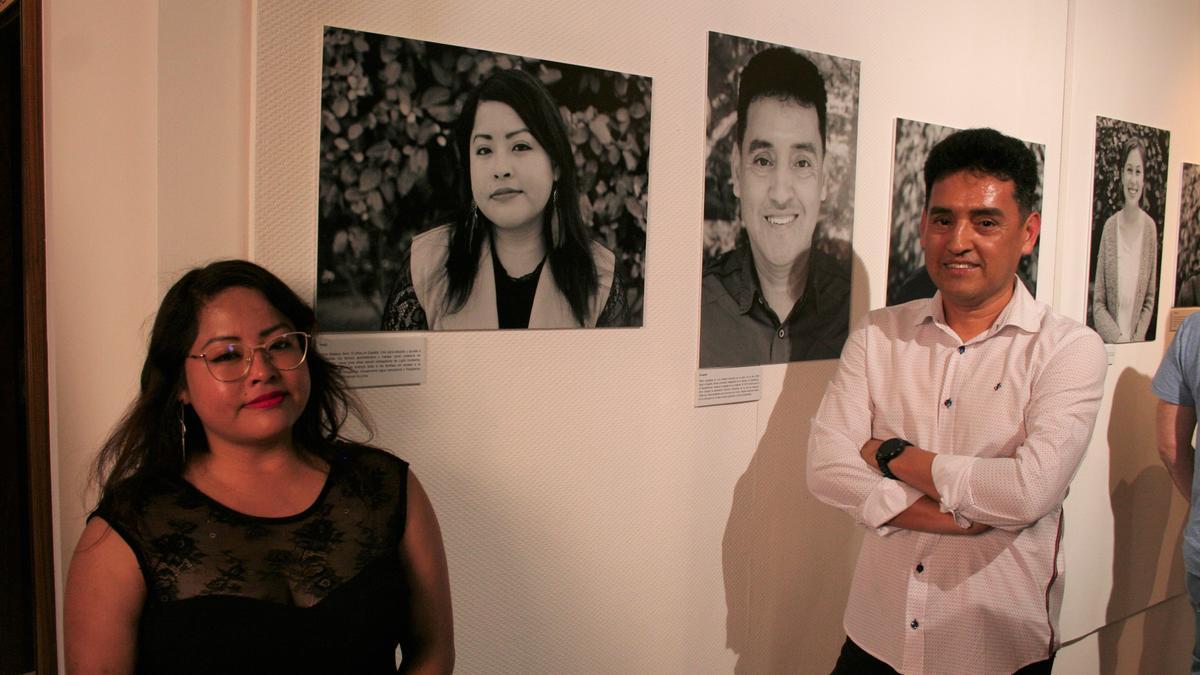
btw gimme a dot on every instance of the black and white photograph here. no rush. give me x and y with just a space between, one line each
781 145
908 279
1129 192
1187 272
465 189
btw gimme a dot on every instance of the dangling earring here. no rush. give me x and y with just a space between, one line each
182 434
472 225
555 227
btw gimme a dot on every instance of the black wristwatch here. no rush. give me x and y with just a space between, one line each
887 451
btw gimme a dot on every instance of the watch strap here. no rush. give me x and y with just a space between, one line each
887 451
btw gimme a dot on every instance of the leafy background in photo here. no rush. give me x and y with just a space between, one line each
1189 231
1111 134
727 55
389 169
914 141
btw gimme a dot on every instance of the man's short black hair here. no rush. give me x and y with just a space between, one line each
781 73
989 152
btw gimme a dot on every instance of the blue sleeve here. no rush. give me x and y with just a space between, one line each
1172 382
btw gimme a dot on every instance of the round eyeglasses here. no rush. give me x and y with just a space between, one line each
229 360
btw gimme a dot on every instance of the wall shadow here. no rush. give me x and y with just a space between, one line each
1147 564
788 559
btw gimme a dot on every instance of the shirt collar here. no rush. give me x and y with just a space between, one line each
741 278
1022 311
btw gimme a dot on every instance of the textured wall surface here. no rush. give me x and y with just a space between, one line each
595 521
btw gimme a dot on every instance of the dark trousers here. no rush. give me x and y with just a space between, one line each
854 661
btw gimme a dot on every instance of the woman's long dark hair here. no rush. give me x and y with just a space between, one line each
571 260
147 441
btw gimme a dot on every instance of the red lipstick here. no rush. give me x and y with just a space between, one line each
270 400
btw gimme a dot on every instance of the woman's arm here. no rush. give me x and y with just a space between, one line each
104 598
428 643
1105 323
1150 257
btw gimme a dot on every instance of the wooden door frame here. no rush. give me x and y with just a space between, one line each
33 254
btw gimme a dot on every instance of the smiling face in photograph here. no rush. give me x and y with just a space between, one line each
511 175
1133 178
778 177
260 408
974 236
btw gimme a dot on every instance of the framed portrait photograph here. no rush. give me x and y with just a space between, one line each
1129 192
1187 269
465 189
907 278
781 145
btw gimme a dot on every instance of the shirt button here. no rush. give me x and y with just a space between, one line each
914 624
920 568
948 402
782 333
962 349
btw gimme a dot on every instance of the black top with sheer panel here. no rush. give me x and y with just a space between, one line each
317 592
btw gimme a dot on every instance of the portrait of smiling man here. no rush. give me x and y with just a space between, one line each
951 431
775 297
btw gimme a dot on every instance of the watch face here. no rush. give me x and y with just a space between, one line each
890 448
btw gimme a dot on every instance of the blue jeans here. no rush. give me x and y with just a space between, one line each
1193 586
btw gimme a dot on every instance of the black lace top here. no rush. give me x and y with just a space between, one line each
320 591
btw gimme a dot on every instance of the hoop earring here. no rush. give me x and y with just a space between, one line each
555 227
182 434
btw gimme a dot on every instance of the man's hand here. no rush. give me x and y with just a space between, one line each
925 515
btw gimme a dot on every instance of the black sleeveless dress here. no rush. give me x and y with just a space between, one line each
318 592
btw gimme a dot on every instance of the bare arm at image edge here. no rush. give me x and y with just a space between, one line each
428 643
104 598
1176 427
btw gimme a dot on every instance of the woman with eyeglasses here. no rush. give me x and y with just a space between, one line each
237 531
521 255
1127 264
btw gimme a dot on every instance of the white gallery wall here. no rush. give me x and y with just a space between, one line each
594 520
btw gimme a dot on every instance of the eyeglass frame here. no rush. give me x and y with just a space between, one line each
249 359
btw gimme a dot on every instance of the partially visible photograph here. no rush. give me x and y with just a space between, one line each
1187 271
782 136
464 189
907 277
1129 193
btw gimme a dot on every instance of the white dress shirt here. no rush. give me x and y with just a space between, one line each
1009 413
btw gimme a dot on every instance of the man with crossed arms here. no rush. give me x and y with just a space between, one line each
951 431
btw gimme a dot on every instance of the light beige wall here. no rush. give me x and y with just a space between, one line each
594 520
1138 62
147 118
101 106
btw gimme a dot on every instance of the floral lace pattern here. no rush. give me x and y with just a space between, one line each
190 545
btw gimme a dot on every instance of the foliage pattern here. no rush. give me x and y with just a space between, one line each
389 169
1189 228
914 141
1107 199
727 55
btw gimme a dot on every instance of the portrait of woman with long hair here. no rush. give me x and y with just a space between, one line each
237 529
520 255
1126 281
